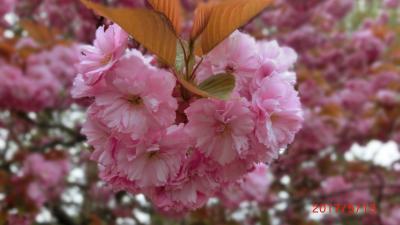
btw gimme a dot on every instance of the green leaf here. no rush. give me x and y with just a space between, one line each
219 86
191 63
180 61
180 55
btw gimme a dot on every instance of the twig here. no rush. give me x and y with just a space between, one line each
195 69
61 216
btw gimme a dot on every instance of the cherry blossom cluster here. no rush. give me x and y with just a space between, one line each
67 16
179 149
45 178
392 3
141 144
348 83
294 14
348 93
43 83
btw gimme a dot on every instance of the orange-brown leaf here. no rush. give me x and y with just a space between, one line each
147 27
201 17
6 48
38 32
171 9
226 17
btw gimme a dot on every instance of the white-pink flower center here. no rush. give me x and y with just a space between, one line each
107 58
222 128
153 151
135 100
230 69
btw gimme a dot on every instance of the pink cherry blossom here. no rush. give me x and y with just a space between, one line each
101 139
274 59
37 193
252 187
16 219
6 7
335 185
157 158
47 177
108 47
303 5
338 8
388 97
48 171
237 55
130 3
221 128
81 90
355 93
140 148
42 84
393 217
256 182
278 110
372 47
190 189
116 179
59 61
318 134
101 192
12 79
391 3
138 99
283 58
